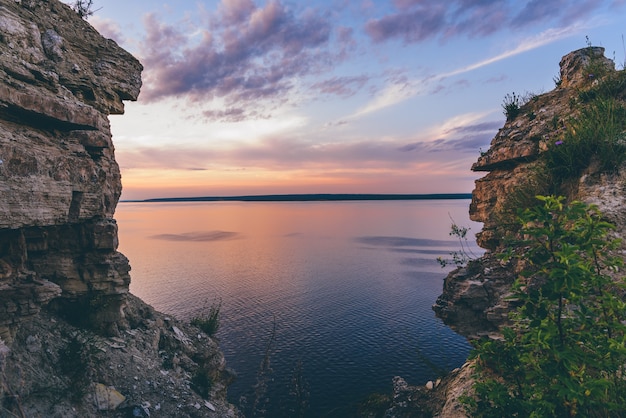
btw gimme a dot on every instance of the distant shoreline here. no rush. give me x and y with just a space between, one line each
308 197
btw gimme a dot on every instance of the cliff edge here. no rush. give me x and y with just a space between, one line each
73 341
524 160
474 300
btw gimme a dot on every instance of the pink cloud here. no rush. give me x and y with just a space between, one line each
252 54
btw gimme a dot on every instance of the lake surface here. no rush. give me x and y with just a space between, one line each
347 286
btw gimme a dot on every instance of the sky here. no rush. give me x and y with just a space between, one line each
244 97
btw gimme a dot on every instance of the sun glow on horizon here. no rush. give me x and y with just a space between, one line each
259 97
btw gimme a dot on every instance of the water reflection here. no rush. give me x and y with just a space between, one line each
198 236
348 285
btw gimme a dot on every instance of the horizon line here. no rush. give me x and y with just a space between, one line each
307 197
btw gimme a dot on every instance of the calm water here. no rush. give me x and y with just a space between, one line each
348 285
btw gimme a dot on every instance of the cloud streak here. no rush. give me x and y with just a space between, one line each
459 139
398 91
546 37
417 21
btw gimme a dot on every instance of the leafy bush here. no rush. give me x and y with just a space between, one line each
209 321
565 354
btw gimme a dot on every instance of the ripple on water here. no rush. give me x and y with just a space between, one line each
351 300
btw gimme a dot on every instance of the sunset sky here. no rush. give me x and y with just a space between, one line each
332 96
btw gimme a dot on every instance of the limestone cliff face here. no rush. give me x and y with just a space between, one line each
73 341
59 181
473 301
509 160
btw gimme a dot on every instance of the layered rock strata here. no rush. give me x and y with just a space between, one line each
474 301
59 181
70 333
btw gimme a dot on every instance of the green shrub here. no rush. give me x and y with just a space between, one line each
465 254
511 106
84 8
209 320
596 134
565 354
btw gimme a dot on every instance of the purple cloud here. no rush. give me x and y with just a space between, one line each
406 4
341 86
477 127
419 20
413 26
246 54
292 153
467 138
477 18
538 10
235 12
345 41
233 114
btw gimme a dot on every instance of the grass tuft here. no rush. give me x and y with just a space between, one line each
209 320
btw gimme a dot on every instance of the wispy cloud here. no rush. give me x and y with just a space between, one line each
399 91
546 37
393 94
416 21
459 138
341 86
464 133
412 26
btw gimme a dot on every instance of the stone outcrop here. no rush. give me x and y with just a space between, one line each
63 284
509 160
157 367
474 298
59 181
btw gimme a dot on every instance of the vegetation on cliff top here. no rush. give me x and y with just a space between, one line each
596 135
84 8
587 137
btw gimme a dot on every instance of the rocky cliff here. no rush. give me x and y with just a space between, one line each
474 298
69 330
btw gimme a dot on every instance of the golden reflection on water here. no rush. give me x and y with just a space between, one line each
262 235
